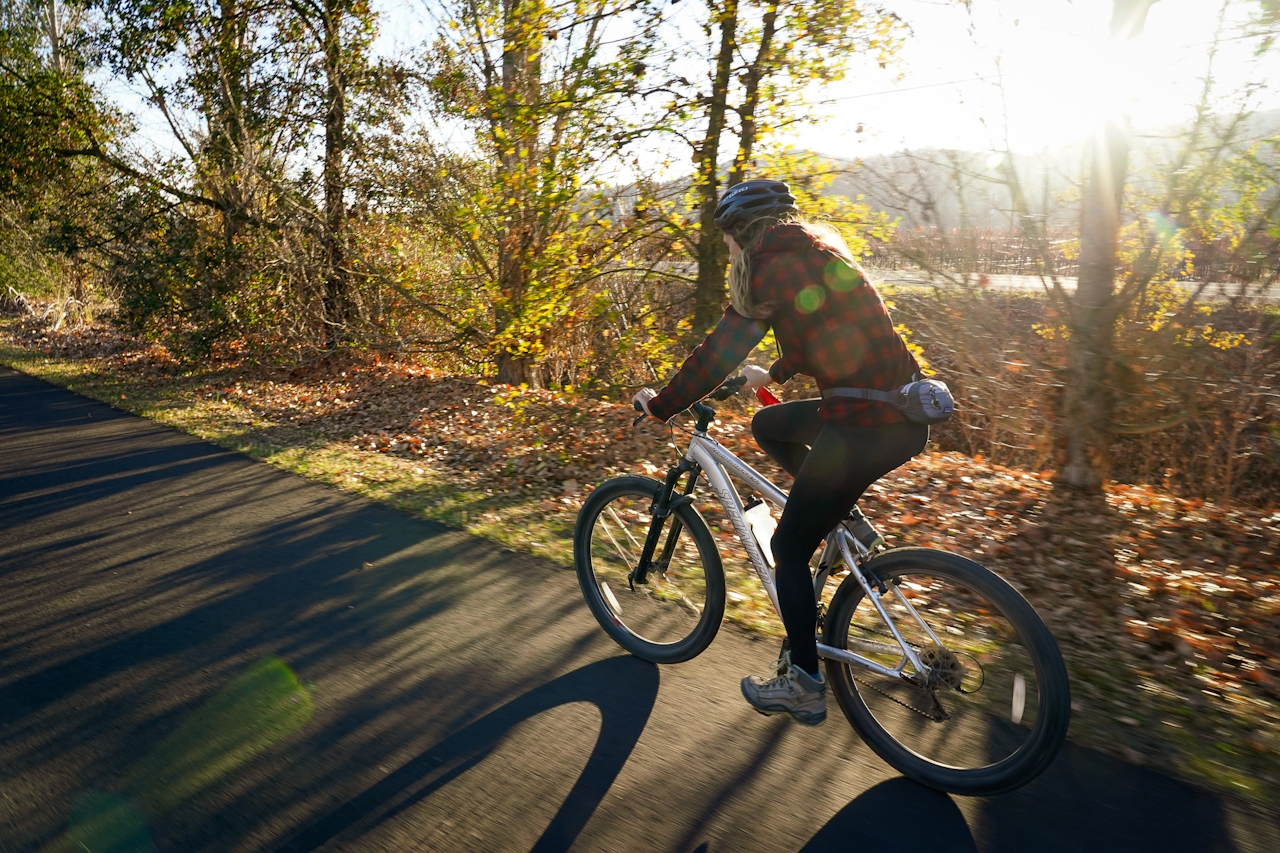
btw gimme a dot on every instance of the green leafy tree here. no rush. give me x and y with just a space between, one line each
341 31
539 88
47 106
258 78
47 215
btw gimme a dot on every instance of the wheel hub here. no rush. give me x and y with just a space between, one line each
945 668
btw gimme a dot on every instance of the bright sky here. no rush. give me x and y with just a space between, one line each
1049 55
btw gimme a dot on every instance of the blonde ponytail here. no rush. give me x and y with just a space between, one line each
740 295
749 236
740 268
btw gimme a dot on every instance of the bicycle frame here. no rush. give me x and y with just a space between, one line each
720 464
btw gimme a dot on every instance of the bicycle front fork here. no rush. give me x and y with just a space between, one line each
664 505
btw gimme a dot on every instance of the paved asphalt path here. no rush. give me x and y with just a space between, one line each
201 653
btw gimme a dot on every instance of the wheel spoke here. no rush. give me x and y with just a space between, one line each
624 529
684 599
674 614
991 693
626 558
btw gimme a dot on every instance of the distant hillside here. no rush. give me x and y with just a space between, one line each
954 189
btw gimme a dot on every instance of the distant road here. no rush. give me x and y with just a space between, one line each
1009 283
1034 284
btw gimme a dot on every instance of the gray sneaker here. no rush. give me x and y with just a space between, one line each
793 692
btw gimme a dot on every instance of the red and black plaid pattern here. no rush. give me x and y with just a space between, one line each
828 319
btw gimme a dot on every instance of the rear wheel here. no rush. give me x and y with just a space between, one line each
993 711
676 613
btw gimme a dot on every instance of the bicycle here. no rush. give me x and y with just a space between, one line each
943 668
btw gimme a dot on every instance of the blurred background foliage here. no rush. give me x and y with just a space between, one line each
305 205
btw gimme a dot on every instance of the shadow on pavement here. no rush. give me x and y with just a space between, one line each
624 690
144 573
896 816
1089 800
1086 801
270 579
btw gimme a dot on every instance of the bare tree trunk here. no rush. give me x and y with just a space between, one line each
229 141
1088 399
713 255
522 87
1088 402
751 97
55 32
336 289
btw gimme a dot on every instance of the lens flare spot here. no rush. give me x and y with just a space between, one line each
257 709
810 299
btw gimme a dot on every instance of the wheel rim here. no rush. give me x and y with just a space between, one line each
996 711
668 608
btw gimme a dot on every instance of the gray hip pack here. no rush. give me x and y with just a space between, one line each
925 401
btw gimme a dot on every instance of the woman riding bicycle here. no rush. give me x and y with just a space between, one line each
800 280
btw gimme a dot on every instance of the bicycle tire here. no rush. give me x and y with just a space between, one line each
657 624
888 713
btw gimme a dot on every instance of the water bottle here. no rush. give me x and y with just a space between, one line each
760 520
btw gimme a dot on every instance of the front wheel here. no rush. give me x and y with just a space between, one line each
992 711
676 613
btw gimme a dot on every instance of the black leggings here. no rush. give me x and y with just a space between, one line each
829 478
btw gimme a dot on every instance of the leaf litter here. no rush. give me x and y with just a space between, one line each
1167 610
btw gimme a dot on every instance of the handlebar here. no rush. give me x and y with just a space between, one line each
729 388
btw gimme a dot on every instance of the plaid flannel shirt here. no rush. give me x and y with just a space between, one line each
829 321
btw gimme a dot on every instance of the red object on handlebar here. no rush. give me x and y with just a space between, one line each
766 398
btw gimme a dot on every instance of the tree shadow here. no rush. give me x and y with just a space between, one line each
624 689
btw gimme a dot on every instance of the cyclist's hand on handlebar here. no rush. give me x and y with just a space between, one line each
755 377
728 389
641 402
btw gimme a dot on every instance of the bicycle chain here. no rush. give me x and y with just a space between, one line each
940 717
933 695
